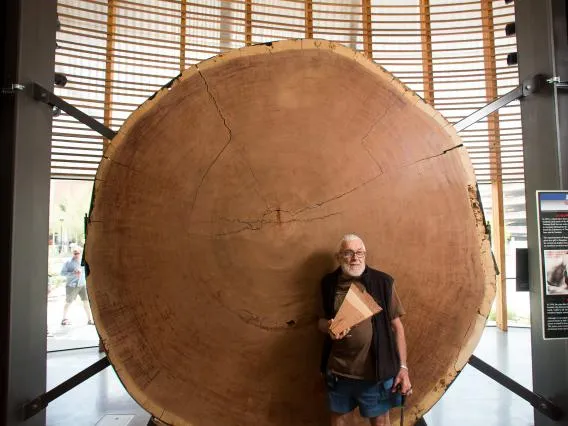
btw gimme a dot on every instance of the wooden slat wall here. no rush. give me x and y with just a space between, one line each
498 219
111 22
153 39
367 28
426 35
248 22
182 34
309 25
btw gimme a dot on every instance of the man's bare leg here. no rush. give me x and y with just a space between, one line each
66 310
338 419
383 420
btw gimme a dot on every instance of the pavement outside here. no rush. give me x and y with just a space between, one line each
77 335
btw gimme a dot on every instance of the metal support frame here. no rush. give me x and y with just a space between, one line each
41 94
33 407
27 53
527 87
539 402
541 31
558 83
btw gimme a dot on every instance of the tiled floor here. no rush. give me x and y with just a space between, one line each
472 400
91 401
475 399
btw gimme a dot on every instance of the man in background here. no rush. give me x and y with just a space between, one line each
366 365
76 285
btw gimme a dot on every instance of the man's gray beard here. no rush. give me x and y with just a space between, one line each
352 271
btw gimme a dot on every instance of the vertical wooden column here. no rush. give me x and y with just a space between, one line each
309 19
367 29
182 34
248 22
498 221
426 38
111 23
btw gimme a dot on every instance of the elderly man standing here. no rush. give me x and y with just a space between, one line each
366 365
75 286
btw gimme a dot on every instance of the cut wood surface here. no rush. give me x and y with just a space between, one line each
357 306
217 209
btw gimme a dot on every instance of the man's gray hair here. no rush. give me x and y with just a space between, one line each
349 237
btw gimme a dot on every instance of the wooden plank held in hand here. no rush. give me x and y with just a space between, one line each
357 306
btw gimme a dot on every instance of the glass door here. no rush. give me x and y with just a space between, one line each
69 320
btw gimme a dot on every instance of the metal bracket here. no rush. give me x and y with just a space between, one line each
539 402
12 88
556 82
33 407
527 87
155 422
41 94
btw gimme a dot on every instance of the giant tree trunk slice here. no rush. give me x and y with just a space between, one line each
217 209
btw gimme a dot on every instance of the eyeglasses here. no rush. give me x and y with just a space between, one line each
348 254
76 252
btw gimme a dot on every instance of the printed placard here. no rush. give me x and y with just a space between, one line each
552 207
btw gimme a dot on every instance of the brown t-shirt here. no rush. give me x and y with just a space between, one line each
351 356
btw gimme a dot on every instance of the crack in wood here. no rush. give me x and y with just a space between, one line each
364 138
337 197
257 225
444 152
230 134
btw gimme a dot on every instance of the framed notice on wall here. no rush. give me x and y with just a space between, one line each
552 207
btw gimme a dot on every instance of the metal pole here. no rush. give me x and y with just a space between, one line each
542 43
46 96
539 402
27 54
33 407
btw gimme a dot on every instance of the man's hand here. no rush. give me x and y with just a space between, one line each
77 272
402 379
340 336
324 326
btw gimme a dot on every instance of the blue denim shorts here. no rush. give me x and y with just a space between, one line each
373 399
